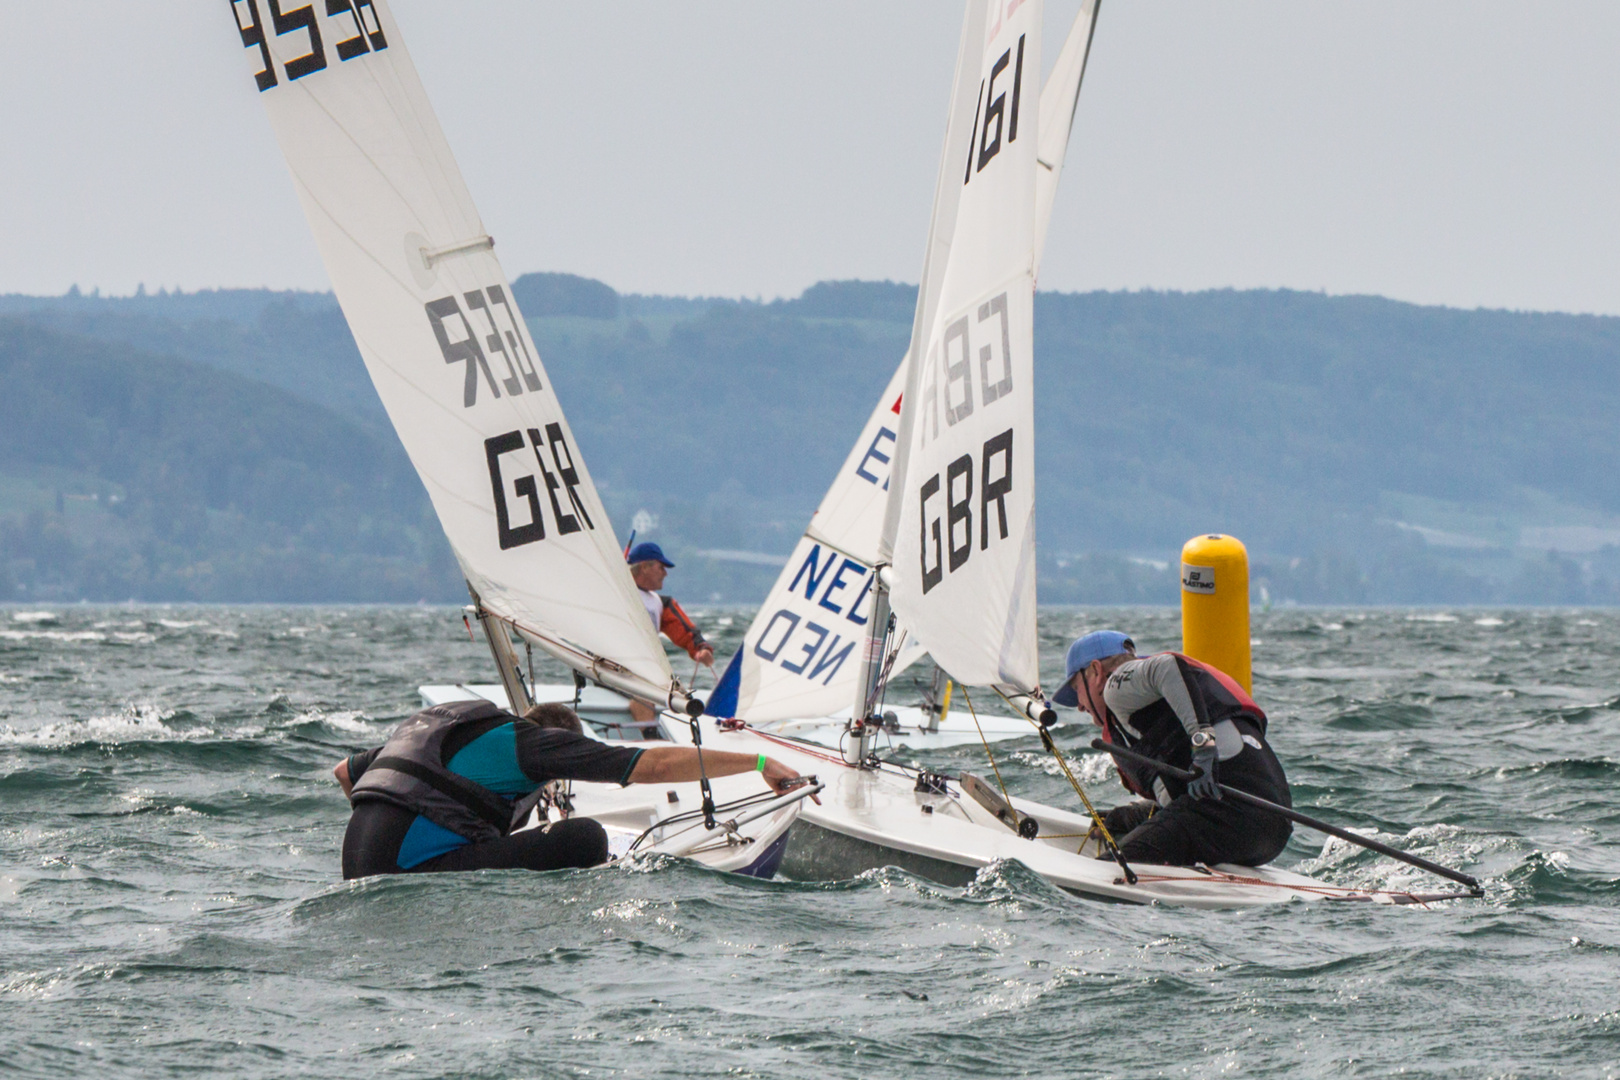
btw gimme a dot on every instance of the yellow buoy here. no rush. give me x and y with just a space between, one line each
1215 604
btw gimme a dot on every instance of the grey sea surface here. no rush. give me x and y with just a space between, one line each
170 903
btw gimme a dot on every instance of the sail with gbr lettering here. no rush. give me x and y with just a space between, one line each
798 657
432 313
963 500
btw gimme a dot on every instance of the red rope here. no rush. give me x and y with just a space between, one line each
791 744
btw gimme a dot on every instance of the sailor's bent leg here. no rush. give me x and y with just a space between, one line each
1123 819
1205 831
575 842
1167 838
371 843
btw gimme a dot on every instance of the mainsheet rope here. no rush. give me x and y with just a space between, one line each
993 766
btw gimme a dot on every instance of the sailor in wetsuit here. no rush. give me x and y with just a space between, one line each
446 788
1182 712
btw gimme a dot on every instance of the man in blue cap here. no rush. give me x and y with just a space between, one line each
648 567
1182 712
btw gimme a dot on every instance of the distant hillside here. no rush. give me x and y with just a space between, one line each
1366 450
124 474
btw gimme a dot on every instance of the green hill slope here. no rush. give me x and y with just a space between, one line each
1366 450
132 475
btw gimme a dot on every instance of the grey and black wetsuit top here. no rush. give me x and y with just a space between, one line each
1158 701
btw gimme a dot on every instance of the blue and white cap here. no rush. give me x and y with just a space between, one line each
1097 645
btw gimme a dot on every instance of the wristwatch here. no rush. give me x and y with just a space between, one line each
1203 737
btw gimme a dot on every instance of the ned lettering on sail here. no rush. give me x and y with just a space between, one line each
834 589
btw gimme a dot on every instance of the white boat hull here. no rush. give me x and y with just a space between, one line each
870 818
643 820
873 818
910 732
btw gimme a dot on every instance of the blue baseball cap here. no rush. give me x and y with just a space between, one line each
1097 645
647 551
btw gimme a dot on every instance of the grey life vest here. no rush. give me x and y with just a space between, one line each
410 772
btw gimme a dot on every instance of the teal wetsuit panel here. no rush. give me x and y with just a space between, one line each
425 840
492 760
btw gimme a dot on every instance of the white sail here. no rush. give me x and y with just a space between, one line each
432 313
964 523
772 676
798 657
1059 99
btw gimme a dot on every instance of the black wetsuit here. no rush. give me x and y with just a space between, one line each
483 764
1153 704
378 830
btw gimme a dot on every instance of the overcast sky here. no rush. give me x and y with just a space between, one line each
1461 152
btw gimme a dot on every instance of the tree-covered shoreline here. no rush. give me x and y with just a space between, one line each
227 446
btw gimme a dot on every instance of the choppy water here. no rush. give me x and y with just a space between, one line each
170 903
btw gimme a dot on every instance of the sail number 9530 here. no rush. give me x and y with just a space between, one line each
460 343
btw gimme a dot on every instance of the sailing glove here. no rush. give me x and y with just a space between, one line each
1204 756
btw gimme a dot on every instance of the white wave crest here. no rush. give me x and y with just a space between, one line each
138 723
33 618
52 635
344 720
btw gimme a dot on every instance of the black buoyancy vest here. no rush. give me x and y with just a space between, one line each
1216 696
410 772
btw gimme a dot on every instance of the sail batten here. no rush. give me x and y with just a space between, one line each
431 310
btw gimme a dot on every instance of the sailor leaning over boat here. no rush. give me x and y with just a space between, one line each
452 782
1182 712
